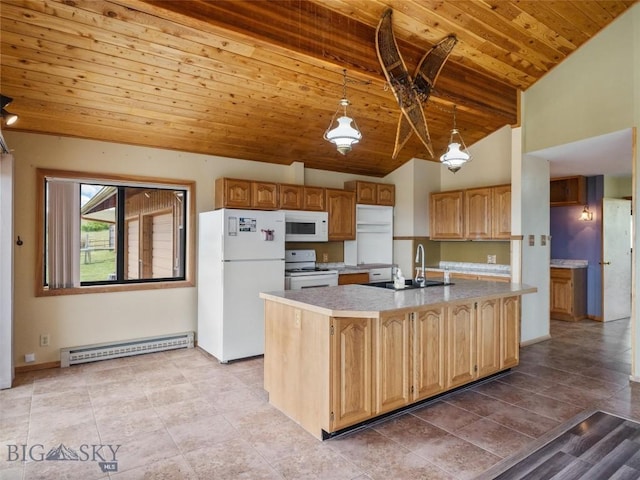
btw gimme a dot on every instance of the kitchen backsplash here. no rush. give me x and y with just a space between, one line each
334 251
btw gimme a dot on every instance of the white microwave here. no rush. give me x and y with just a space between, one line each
305 226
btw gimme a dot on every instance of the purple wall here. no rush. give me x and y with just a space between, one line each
571 238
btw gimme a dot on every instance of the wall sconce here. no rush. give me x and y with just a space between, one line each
8 117
586 215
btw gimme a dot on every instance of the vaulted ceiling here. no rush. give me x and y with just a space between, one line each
260 80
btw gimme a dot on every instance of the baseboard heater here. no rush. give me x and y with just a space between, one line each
105 351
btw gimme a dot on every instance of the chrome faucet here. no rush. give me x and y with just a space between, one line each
420 278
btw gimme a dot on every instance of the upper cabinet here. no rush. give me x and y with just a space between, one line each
478 204
501 212
371 193
473 214
341 205
232 193
264 195
300 197
445 215
568 191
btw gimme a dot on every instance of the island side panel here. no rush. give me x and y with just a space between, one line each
296 364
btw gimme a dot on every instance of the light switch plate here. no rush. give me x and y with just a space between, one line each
532 240
543 240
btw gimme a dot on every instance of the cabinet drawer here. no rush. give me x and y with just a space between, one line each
561 273
351 278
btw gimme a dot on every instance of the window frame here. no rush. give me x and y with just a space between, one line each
117 180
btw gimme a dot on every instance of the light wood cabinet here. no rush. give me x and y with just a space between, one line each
372 193
428 353
478 206
568 191
341 205
568 295
300 197
446 215
290 196
392 362
313 198
264 195
351 278
509 332
329 373
237 193
232 193
461 348
501 213
488 337
351 371
472 214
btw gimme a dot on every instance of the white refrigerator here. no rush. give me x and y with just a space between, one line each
240 254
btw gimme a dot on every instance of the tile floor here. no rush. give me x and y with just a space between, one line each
182 415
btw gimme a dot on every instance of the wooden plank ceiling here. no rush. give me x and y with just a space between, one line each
261 80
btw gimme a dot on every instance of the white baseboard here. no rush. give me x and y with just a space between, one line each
535 340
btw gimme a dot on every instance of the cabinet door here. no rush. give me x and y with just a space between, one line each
290 197
313 199
488 337
562 295
461 365
510 332
478 207
501 217
392 362
351 371
385 194
232 193
264 195
341 205
366 193
445 215
429 360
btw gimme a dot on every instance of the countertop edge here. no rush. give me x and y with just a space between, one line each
276 297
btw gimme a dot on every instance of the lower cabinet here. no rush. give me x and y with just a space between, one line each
351 371
330 373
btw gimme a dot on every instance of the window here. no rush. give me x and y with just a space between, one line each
101 233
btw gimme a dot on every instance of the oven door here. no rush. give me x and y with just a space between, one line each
299 282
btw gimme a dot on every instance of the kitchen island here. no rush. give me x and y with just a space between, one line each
339 356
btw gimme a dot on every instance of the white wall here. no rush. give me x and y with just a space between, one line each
590 93
6 269
73 320
534 212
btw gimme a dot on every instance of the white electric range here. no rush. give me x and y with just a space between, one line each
300 271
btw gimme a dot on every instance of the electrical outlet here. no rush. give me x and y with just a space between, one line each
325 257
491 259
297 317
30 357
44 340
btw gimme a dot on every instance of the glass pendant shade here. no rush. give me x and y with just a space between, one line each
344 135
454 158
456 155
9 118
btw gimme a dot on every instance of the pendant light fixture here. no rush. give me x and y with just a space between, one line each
344 135
455 156
8 117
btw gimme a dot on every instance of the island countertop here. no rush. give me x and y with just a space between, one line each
361 301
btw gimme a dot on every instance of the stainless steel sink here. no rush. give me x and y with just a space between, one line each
409 284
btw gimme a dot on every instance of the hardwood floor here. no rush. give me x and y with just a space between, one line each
602 446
